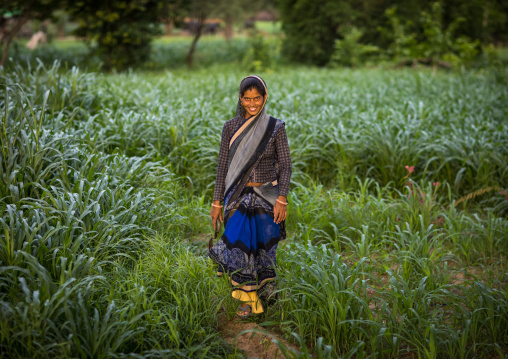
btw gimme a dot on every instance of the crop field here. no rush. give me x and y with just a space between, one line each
166 52
397 224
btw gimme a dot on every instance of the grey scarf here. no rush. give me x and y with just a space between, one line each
246 147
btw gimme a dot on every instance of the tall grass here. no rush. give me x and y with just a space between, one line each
387 277
76 222
105 182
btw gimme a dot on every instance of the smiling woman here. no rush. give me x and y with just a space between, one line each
253 174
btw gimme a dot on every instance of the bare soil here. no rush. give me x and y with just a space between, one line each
254 345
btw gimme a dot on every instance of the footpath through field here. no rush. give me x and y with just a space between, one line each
253 344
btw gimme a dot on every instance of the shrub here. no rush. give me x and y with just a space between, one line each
350 52
258 57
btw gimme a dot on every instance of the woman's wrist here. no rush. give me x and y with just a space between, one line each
216 204
282 200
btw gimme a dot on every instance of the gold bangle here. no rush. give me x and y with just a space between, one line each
284 203
214 205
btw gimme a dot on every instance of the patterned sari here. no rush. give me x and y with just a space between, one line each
246 250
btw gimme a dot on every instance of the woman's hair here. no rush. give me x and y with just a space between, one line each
250 83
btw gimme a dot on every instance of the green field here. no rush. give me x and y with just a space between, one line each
106 183
166 53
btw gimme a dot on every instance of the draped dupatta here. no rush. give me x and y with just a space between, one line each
246 148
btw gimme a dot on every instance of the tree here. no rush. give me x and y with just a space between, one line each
119 31
16 13
432 41
234 11
199 11
230 12
487 20
311 28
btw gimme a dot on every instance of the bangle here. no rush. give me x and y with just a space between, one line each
284 203
214 205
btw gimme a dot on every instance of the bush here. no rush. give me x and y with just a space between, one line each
258 57
435 44
350 52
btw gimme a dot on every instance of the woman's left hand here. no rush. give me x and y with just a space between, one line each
280 210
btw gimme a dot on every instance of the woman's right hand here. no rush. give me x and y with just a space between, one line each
215 213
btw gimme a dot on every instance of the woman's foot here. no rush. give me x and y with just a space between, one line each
244 310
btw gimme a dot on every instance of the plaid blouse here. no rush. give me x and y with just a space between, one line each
275 161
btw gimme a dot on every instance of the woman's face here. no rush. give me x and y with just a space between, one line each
252 101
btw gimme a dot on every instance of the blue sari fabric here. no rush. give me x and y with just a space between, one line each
247 249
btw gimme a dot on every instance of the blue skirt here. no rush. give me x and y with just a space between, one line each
247 249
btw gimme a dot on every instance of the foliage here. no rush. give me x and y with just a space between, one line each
106 181
403 45
350 52
441 43
259 56
486 21
451 30
396 281
435 45
19 13
310 28
200 10
75 224
165 54
120 32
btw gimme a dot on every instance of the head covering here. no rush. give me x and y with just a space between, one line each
247 145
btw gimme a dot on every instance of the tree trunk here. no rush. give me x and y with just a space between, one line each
10 35
485 22
168 27
228 31
197 35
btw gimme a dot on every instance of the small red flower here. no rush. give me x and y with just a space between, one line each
410 169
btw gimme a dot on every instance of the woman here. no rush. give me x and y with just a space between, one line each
253 174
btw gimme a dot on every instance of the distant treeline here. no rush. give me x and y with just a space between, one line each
417 29
337 33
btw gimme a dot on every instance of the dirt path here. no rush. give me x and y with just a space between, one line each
254 345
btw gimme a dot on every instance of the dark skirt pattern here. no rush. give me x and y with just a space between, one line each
247 249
